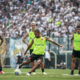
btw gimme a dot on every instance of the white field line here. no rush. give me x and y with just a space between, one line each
67 75
70 75
24 73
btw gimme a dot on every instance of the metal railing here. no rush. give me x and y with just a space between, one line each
17 46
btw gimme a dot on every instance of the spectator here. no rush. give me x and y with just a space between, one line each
47 59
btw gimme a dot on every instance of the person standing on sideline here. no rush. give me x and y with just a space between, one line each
47 59
31 36
75 42
1 41
38 51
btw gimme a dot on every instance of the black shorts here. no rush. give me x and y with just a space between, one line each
31 50
76 54
35 57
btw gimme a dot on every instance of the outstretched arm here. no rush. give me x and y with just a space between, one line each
24 39
29 46
53 42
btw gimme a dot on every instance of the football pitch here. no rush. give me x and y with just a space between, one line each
52 74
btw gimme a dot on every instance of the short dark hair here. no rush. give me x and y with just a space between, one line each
37 30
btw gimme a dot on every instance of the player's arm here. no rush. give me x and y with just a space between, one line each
29 46
48 39
72 41
24 38
1 40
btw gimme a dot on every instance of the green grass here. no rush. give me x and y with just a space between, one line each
52 74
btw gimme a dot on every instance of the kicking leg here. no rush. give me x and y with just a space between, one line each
32 67
25 62
30 59
35 66
32 64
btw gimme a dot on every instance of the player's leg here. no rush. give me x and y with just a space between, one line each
30 59
73 66
42 68
1 72
35 66
0 66
74 56
79 62
32 64
79 67
25 62
20 65
32 67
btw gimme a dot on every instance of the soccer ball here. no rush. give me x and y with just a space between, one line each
17 72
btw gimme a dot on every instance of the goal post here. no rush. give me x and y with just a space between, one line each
55 57
66 53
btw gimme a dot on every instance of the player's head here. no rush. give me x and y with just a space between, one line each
33 24
78 29
37 33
